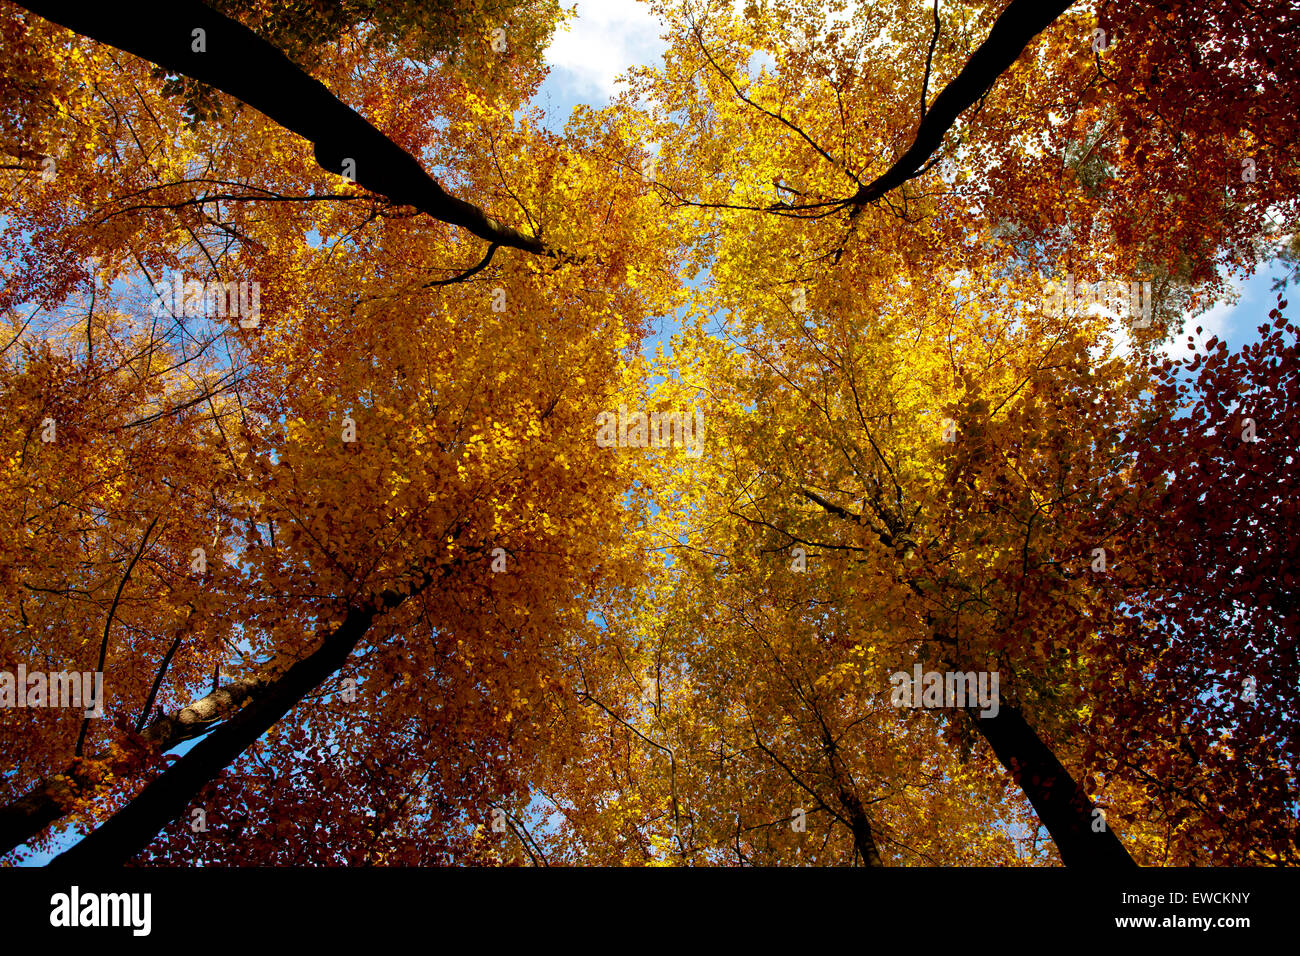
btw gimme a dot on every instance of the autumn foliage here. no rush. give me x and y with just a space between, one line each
363 585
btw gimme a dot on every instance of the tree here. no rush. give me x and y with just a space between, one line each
1203 685
445 611
793 316
379 427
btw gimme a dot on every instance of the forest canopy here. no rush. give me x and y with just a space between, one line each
349 486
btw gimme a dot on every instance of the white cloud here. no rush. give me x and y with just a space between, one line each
1231 319
605 39
1214 323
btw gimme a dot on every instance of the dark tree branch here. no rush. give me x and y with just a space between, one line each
483 264
240 63
766 112
130 830
929 60
108 624
157 680
1019 23
48 801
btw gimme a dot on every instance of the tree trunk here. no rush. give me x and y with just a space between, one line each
237 61
1019 23
862 838
47 802
125 834
1076 827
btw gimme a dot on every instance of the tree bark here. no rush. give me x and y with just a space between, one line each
1019 23
24 818
125 834
861 826
1061 804
239 62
